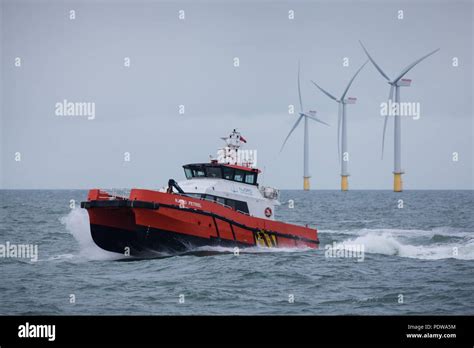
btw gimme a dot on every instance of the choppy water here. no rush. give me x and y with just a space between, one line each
424 251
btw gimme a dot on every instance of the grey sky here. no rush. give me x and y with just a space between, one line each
190 62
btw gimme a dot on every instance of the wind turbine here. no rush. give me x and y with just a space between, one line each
396 83
306 116
342 127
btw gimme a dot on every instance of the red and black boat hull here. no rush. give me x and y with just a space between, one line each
150 222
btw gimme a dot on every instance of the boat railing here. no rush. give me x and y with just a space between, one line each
243 212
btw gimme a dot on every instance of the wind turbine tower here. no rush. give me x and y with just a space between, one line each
342 148
306 116
395 84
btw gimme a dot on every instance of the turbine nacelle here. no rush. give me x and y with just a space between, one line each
309 113
404 83
350 100
400 83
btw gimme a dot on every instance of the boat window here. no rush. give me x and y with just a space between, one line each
228 173
220 200
188 172
214 172
199 172
237 205
230 203
250 178
239 175
241 206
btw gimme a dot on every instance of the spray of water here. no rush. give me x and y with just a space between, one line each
417 244
77 223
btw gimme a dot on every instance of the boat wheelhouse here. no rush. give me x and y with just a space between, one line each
232 180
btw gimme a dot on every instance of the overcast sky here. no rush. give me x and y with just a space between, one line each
190 62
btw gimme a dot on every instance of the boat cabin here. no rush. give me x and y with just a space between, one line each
231 180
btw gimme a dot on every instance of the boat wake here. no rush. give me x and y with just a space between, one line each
439 243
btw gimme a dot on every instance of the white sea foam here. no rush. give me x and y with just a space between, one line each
444 231
407 243
77 223
251 250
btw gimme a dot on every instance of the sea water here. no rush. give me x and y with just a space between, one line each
418 258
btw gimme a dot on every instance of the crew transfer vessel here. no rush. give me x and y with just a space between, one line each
221 203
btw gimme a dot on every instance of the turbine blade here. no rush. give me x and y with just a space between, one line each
316 119
412 65
390 97
373 62
299 88
339 120
352 80
325 92
291 131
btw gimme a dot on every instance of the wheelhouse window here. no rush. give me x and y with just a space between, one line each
188 172
199 173
203 170
239 175
250 178
228 173
214 172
